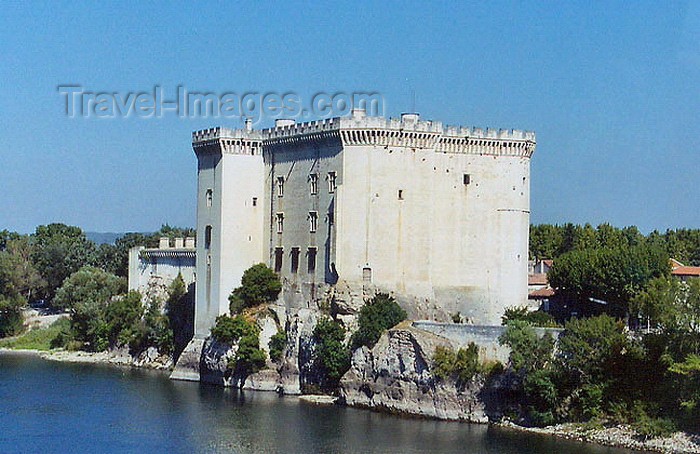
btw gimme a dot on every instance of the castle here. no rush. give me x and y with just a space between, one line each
437 215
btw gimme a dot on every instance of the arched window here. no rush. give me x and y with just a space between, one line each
210 197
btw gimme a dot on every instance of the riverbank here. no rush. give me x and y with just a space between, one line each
116 357
618 436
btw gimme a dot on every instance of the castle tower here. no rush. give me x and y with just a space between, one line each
230 214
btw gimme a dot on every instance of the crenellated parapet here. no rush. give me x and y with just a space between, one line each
359 130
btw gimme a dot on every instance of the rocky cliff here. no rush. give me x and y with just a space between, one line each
395 376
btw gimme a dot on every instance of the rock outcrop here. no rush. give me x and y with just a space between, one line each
395 376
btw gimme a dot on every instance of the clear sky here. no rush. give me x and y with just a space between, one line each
611 88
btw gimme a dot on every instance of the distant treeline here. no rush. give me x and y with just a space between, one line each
34 266
549 241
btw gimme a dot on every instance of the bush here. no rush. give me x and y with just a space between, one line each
249 357
259 285
376 316
461 366
11 318
527 352
277 343
230 329
89 284
535 318
331 355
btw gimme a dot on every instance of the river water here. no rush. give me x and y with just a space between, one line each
50 407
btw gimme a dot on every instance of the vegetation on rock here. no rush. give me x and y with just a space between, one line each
277 343
331 355
376 316
259 285
460 366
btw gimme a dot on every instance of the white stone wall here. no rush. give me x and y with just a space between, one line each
461 246
236 229
153 270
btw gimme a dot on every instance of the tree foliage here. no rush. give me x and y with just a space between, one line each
11 319
610 275
460 366
277 343
259 285
60 250
523 313
331 354
376 316
88 285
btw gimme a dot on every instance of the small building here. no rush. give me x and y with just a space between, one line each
152 270
684 273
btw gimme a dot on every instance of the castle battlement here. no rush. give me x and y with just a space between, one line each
358 129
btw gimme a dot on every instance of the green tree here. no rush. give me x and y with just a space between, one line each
528 352
89 284
331 354
60 250
11 319
613 275
18 276
277 343
259 285
377 315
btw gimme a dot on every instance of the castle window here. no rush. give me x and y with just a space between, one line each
400 194
311 265
331 218
255 201
280 186
295 260
280 222
331 182
313 183
367 274
210 197
466 178
278 259
313 221
207 237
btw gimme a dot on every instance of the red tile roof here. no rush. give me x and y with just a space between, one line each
549 263
537 279
545 292
686 271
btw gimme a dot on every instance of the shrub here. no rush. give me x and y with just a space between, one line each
88 284
376 316
231 329
461 365
527 351
456 317
277 343
331 355
11 319
249 357
259 285
535 318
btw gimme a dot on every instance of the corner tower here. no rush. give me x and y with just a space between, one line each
230 214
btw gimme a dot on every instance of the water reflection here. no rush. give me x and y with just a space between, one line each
54 407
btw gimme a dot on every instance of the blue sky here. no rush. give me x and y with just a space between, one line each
612 90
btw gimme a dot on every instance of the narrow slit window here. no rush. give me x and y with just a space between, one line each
210 198
295 260
311 265
466 179
313 221
207 237
280 186
313 183
255 201
400 194
280 222
278 259
331 182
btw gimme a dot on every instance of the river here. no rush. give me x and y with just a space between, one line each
51 407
